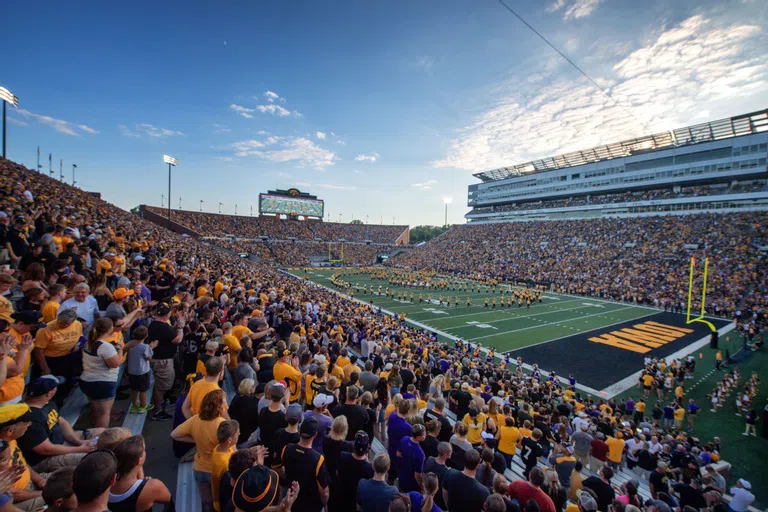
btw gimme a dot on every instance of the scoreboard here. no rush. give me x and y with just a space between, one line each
292 203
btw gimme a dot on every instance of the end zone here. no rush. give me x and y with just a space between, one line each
606 358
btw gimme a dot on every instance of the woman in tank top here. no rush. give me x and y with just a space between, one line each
131 493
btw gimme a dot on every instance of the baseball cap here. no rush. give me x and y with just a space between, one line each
276 392
309 427
122 293
321 400
663 507
14 413
44 384
294 412
256 489
28 317
586 501
388 366
745 484
362 442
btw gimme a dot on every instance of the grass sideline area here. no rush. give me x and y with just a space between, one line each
747 455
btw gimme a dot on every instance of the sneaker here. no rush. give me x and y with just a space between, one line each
142 410
149 407
744 434
134 409
162 416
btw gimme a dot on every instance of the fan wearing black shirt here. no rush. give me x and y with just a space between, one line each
602 487
531 451
272 418
461 490
357 416
439 466
168 339
436 414
429 444
350 469
307 467
288 434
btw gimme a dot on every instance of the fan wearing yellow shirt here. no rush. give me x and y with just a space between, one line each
647 383
57 292
232 343
227 433
679 415
475 422
509 439
214 369
285 371
615 450
13 424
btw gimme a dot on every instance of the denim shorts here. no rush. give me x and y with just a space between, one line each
99 391
201 477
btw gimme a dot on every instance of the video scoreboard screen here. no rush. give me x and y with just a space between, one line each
290 202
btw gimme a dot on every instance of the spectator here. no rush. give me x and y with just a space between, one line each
131 491
461 490
307 467
55 352
101 367
524 491
92 480
351 469
201 430
411 460
375 495
58 493
602 487
162 359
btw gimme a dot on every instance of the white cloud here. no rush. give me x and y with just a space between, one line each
61 126
19 122
574 9
243 111
220 128
225 158
427 185
367 158
320 135
300 150
147 130
277 110
683 70
272 96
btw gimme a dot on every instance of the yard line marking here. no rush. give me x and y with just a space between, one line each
523 316
554 323
501 310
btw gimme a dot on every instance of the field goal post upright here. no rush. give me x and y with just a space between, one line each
330 255
700 318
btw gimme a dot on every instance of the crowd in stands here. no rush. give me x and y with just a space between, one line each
219 225
624 197
338 405
301 253
595 257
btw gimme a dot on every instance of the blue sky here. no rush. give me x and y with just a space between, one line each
380 108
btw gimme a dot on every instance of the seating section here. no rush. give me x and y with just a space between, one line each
219 225
644 260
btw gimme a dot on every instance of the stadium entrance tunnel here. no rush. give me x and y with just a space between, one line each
604 356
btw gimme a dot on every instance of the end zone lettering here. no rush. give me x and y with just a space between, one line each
642 337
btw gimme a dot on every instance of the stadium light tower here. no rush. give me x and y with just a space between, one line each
201 205
61 169
162 200
235 209
74 166
172 162
447 201
220 207
7 97
179 202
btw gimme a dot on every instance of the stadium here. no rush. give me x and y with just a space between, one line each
586 333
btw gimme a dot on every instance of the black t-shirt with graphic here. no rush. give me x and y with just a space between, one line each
44 425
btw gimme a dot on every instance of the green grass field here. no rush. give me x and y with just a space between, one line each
502 329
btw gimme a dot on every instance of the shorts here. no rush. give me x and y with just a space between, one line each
99 391
139 382
201 477
164 373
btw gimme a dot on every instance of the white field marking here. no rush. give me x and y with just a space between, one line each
526 316
436 311
481 326
505 310
553 323
593 305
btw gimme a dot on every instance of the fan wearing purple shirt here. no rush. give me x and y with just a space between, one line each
411 459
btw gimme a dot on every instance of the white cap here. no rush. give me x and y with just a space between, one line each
745 484
322 400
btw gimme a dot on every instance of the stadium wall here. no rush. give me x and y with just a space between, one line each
163 221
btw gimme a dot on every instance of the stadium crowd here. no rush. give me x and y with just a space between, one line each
219 225
622 197
301 253
643 260
322 384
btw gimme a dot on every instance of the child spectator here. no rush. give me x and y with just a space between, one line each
139 356
227 434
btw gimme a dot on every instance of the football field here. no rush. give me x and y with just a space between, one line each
601 342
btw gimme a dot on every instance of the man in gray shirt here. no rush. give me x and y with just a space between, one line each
581 443
368 379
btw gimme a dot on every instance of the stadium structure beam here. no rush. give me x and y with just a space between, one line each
172 162
7 97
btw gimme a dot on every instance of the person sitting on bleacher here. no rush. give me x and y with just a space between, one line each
58 493
16 362
93 478
132 491
15 419
50 442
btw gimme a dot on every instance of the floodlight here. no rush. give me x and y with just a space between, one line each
170 160
8 96
447 200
